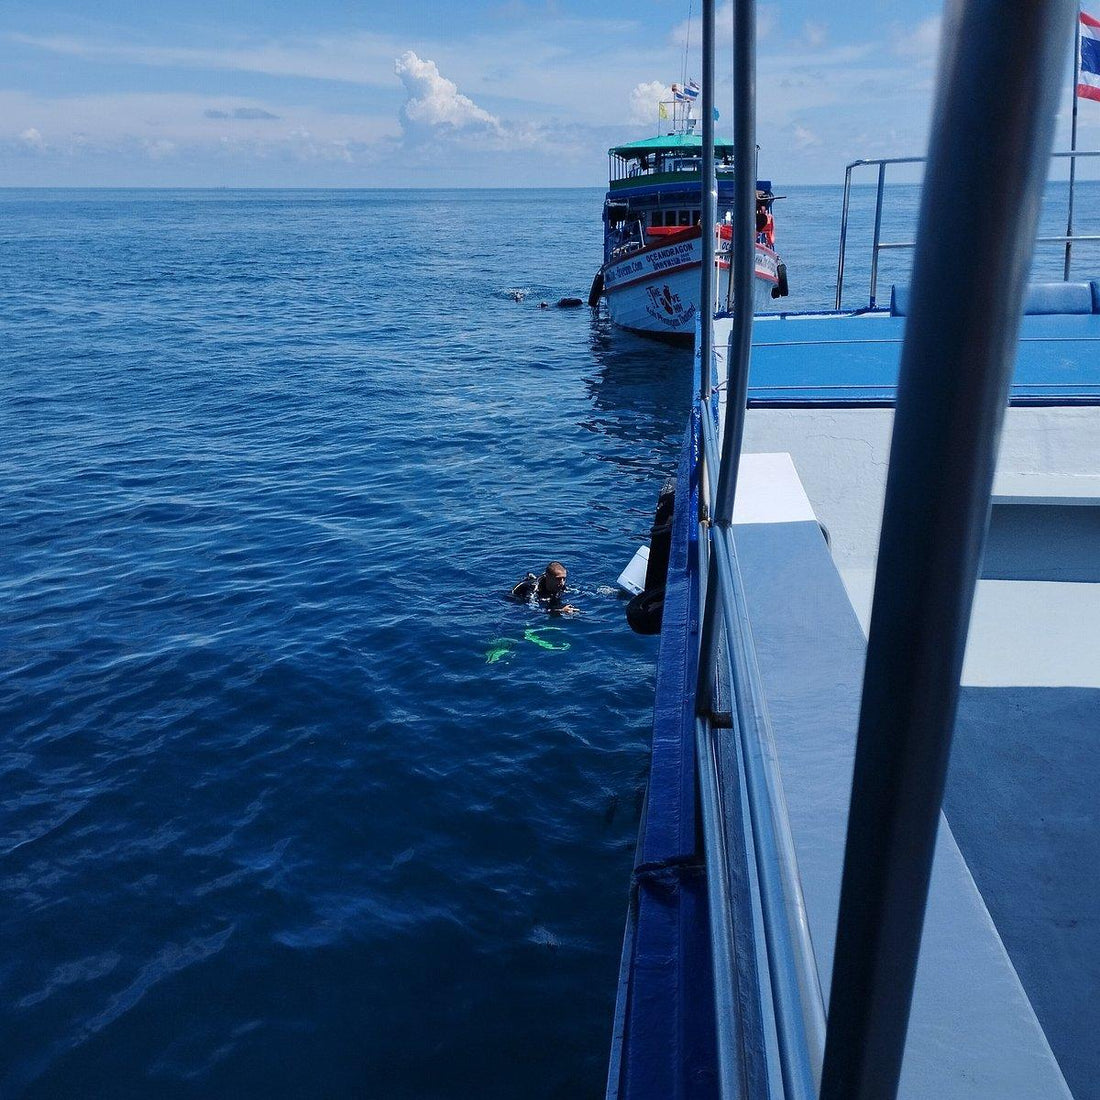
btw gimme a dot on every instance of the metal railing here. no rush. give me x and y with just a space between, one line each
878 245
946 431
793 984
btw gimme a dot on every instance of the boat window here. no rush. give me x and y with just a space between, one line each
696 217
685 217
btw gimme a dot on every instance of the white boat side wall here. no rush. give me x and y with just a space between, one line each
658 290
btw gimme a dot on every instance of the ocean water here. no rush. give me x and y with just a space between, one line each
295 804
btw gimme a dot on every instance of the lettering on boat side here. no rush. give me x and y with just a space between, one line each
672 257
624 270
767 264
659 260
666 307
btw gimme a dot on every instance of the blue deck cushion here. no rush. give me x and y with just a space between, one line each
1040 298
899 301
1058 298
844 361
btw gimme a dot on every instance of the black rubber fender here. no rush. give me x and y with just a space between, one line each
781 288
596 292
645 611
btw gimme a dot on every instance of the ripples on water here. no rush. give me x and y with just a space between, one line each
272 824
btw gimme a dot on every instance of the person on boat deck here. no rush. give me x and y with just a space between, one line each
765 223
548 590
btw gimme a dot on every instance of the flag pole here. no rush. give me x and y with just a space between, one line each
687 46
1073 139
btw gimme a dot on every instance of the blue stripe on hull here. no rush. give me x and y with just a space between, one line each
665 1008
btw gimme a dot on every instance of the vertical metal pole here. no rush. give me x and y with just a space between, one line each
709 207
729 281
1001 66
878 232
843 234
742 253
708 630
718 902
710 594
1073 141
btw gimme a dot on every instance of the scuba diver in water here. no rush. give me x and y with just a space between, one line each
548 590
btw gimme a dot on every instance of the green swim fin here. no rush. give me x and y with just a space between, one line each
533 635
498 648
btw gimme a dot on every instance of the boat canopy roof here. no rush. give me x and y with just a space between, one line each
668 143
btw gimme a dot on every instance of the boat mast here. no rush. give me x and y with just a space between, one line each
1073 141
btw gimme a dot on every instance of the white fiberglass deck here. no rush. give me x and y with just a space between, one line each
1027 744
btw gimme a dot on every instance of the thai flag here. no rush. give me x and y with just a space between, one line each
680 94
1088 78
692 91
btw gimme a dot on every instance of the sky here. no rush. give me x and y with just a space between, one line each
413 93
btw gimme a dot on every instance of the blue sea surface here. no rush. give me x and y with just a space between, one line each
273 825
294 805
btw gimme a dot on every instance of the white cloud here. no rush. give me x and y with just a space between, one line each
542 94
644 99
357 59
804 139
251 114
160 126
436 112
921 42
159 148
815 33
433 101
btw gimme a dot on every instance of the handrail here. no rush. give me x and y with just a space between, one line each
878 246
794 984
721 911
742 252
882 162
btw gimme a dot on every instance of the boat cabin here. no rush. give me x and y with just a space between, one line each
655 185
655 191
673 158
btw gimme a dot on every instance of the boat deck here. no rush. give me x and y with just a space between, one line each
1005 998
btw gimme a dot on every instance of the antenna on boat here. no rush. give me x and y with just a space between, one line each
687 44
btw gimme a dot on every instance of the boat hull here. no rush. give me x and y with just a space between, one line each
656 290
